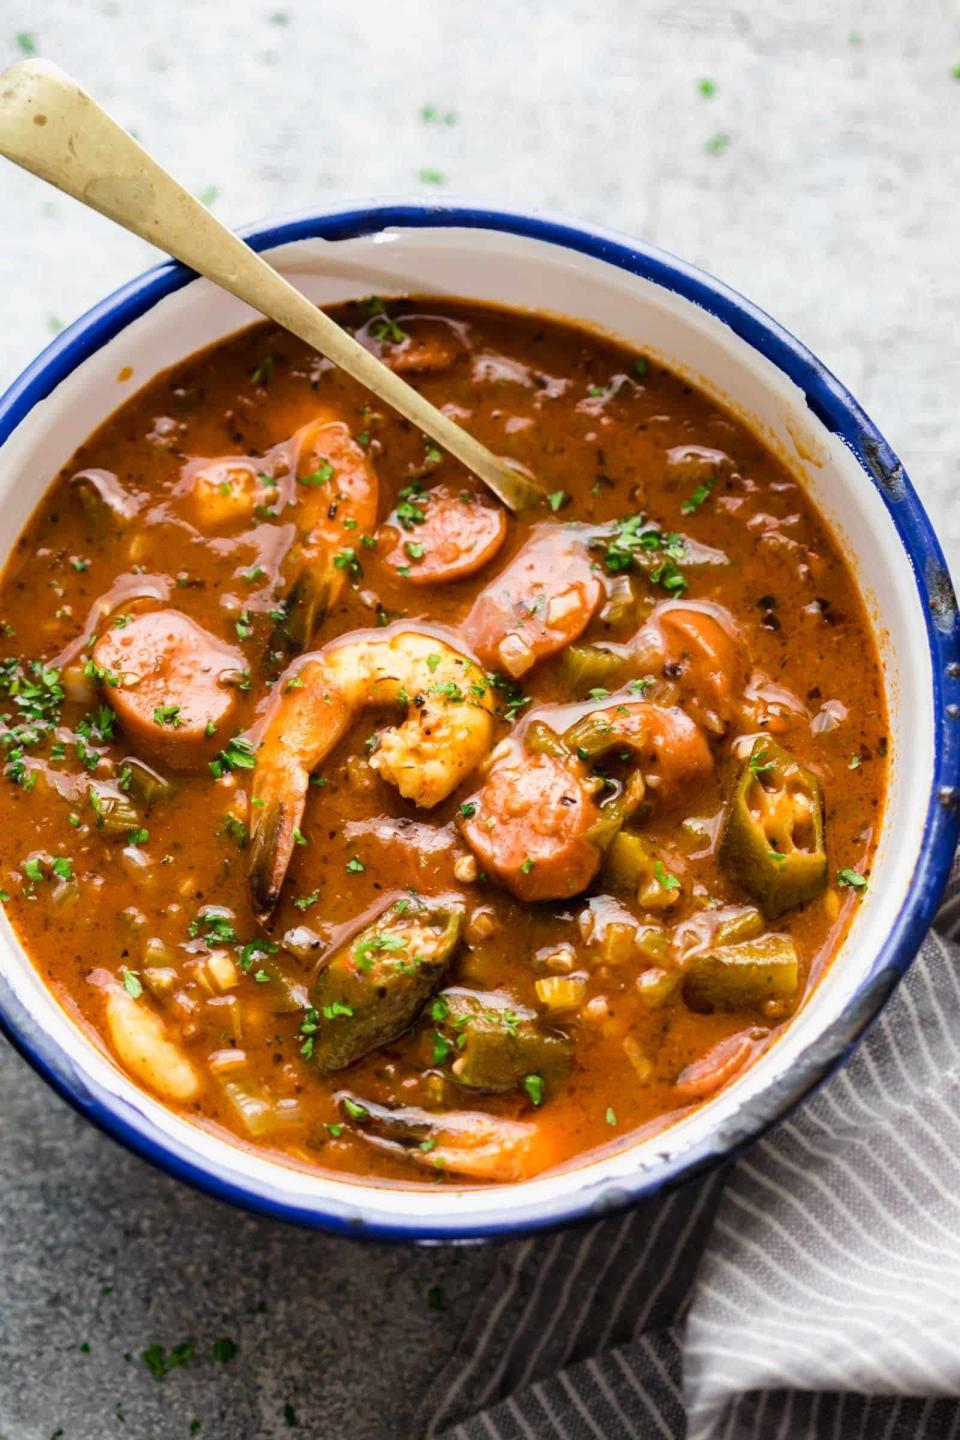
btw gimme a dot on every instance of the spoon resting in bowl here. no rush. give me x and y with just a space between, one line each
50 126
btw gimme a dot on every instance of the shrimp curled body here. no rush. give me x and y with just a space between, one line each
446 732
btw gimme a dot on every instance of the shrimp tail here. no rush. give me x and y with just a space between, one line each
271 850
310 597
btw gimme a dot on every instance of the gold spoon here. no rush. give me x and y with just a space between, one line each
52 127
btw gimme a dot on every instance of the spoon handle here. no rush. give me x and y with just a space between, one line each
52 127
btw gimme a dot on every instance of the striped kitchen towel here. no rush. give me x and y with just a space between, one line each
811 1292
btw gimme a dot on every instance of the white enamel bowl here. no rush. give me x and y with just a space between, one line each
736 354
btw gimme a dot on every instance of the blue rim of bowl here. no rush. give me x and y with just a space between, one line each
841 415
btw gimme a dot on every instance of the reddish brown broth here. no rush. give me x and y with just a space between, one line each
608 435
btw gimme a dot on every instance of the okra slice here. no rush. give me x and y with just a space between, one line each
488 1042
773 839
374 987
744 976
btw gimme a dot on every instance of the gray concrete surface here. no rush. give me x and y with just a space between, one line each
833 201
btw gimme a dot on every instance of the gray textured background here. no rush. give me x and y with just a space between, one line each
833 202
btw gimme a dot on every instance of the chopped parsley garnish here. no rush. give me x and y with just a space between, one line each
337 1009
851 879
527 866
610 1116
557 499
37 695
320 476
513 697
237 754
131 983
364 950
533 1084
664 879
442 1049
468 809
409 510
160 1362
383 327
759 763
303 902
355 1111
717 144
702 493
261 375
416 552
355 865
635 541
209 925
346 559
431 115
244 626
450 689
251 952
167 715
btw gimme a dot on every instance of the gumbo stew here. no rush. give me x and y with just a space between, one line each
404 838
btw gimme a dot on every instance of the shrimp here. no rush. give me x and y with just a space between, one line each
326 476
447 731
702 642
337 492
466 1142
143 1044
535 825
530 824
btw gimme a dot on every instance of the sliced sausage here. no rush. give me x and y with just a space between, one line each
174 683
543 600
530 826
460 532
